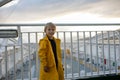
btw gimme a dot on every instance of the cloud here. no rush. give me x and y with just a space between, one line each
106 8
42 9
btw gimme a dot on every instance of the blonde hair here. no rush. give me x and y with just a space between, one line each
49 24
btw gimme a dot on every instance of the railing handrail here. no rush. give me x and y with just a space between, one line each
62 24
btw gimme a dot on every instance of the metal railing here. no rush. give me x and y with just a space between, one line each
84 53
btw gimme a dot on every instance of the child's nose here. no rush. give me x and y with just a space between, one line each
51 31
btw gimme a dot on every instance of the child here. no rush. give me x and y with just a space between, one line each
50 55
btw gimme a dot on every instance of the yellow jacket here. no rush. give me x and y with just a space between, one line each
46 56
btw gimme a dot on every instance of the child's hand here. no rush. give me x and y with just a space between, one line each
63 67
46 69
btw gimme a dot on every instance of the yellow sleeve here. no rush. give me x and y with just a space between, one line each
42 50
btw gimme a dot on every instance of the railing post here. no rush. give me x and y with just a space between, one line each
64 41
14 53
37 68
6 63
21 44
84 36
19 35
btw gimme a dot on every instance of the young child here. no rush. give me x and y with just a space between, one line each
50 55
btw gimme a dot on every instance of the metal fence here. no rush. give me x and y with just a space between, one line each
84 53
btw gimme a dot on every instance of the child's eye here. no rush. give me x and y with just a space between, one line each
53 29
48 29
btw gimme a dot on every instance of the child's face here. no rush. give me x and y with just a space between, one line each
50 31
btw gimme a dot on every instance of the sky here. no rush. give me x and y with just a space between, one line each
61 11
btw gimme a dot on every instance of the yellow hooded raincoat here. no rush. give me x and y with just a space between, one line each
46 56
